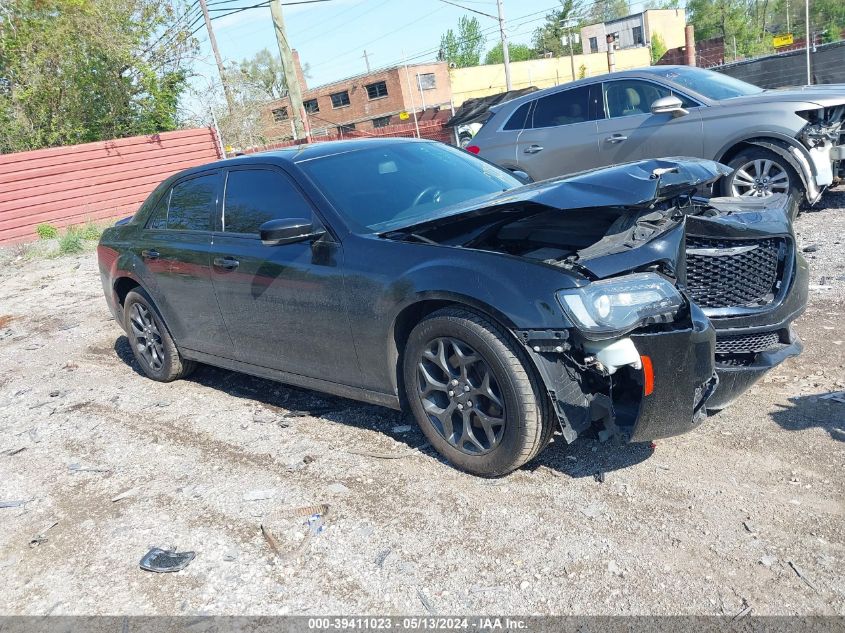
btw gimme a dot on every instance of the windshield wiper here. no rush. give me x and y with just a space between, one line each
405 235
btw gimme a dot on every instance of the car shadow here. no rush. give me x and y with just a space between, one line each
806 412
586 457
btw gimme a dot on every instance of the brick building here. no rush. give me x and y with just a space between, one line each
362 102
636 30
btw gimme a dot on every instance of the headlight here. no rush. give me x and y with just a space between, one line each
614 306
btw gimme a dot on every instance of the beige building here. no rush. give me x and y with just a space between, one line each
480 81
636 30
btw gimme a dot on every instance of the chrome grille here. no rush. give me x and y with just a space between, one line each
747 343
733 273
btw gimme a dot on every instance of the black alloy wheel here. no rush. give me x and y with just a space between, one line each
475 393
461 396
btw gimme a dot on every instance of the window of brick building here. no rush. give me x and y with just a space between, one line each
311 106
381 121
340 99
280 114
427 81
377 90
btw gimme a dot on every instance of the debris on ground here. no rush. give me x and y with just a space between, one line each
272 541
403 428
79 468
42 535
744 612
425 601
163 561
338 488
798 572
125 494
12 504
259 495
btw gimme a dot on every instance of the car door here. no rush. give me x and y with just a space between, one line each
284 305
560 134
630 131
175 250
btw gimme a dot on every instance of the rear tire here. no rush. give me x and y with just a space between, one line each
474 393
759 172
152 345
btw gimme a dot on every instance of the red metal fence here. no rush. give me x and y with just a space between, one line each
432 130
71 185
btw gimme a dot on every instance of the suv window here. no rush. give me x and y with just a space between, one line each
254 196
629 97
517 120
191 203
563 108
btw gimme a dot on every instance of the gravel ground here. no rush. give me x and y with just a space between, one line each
746 511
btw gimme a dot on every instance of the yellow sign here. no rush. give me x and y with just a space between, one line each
404 116
782 40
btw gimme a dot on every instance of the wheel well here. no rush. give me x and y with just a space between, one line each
409 317
734 151
122 287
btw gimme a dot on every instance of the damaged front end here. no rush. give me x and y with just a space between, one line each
633 357
824 138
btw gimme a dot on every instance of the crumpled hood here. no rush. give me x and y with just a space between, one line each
637 184
822 95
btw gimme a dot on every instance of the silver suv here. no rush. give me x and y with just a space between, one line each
777 141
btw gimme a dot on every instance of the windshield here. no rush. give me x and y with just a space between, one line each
707 83
382 188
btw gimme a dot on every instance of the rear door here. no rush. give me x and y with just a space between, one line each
284 305
175 249
631 132
497 139
560 134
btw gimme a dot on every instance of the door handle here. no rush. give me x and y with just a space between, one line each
228 263
616 138
150 253
533 149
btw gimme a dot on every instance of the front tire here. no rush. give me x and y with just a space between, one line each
151 343
758 172
473 393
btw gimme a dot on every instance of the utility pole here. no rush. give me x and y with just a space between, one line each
367 61
807 39
294 90
567 24
788 30
505 52
229 101
411 94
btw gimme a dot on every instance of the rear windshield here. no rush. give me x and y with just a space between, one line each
383 188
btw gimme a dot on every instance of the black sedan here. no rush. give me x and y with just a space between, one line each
412 274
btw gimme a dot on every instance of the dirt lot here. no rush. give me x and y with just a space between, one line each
746 511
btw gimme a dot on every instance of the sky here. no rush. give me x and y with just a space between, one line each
331 36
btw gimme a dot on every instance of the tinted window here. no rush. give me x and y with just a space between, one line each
191 203
340 99
255 196
380 188
631 96
158 218
562 108
517 120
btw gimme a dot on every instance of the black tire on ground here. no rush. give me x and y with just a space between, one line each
527 426
151 343
757 157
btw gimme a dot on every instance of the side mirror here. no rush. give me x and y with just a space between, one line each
521 176
669 105
288 231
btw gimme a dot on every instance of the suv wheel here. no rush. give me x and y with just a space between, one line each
473 393
759 172
151 343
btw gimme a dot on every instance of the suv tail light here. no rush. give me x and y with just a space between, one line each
473 149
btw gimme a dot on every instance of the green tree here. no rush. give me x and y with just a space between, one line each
658 48
549 38
516 53
604 10
75 71
464 48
